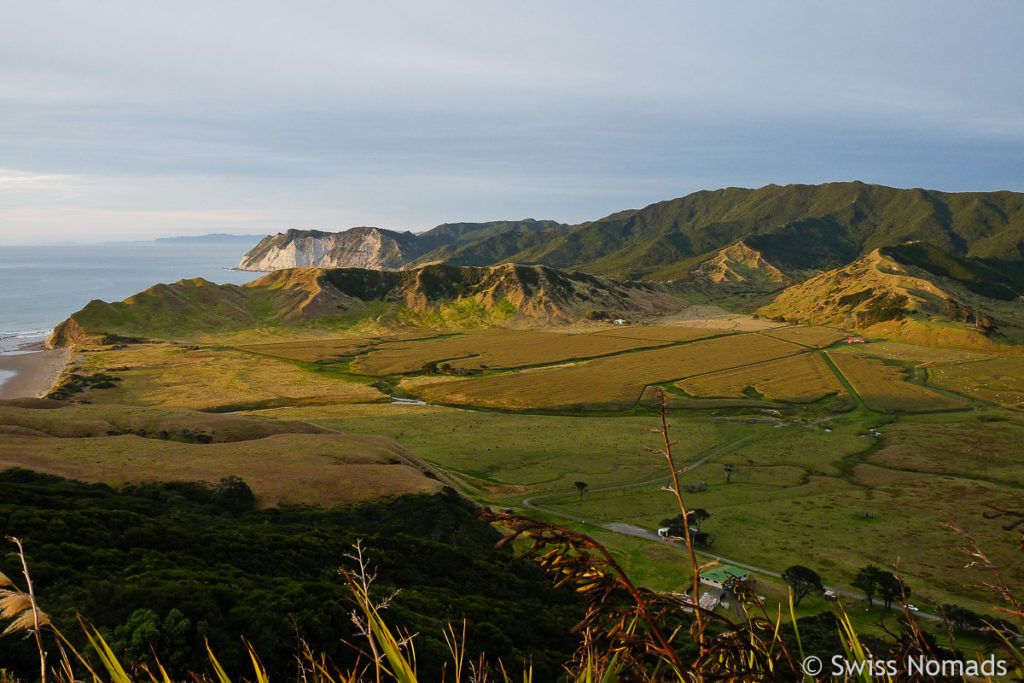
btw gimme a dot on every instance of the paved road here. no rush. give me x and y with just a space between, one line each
632 530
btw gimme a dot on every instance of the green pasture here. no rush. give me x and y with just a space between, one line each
536 453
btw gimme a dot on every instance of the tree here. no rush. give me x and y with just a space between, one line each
952 309
676 526
891 588
802 581
729 469
963 618
703 538
581 486
867 580
985 324
696 516
234 495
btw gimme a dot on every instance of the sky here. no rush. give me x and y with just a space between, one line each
137 120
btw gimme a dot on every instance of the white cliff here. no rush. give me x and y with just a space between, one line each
363 247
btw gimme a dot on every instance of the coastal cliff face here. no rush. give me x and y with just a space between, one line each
363 247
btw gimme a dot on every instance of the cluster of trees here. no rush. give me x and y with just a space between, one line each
677 526
983 322
166 566
870 579
886 585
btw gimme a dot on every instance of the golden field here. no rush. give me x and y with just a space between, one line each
612 383
796 379
502 349
885 387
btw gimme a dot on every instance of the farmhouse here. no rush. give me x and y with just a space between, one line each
856 340
724 576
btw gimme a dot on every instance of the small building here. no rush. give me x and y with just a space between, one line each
709 601
724 576
619 321
856 340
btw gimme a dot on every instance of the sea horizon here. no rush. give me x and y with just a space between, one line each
42 285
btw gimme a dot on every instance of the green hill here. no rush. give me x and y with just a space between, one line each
798 227
434 295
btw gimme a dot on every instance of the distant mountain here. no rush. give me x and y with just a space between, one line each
436 295
483 244
218 237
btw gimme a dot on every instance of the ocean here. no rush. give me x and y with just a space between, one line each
40 286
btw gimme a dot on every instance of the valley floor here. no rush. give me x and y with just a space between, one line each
803 448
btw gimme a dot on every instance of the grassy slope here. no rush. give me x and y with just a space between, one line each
800 226
882 297
121 444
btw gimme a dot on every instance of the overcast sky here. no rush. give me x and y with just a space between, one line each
142 119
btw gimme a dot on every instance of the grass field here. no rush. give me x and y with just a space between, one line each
312 350
804 501
508 456
278 461
796 379
676 402
995 380
613 383
88 420
212 378
987 451
495 349
812 336
659 333
910 353
884 387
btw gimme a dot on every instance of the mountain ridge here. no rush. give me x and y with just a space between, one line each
801 229
434 295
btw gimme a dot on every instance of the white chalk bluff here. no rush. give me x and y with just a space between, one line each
364 247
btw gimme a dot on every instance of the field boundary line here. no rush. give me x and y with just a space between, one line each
845 382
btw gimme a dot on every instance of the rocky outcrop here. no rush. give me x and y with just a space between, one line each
364 247
67 334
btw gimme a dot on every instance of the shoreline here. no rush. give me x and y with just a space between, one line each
34 373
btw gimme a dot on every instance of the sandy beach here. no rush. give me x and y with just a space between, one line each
31 374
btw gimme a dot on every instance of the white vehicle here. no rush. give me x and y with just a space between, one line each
913 608
663 532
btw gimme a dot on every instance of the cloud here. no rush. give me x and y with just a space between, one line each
324 108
